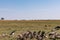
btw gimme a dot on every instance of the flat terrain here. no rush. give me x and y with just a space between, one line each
7 26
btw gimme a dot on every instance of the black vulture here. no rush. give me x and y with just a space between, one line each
57 27
12 32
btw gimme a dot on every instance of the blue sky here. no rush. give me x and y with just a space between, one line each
30 9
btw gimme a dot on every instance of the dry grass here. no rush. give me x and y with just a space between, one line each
6 26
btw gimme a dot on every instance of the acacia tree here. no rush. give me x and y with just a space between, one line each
2 18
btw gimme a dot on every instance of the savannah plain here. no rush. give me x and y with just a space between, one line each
21 26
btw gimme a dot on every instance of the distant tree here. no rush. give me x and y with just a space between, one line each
2 18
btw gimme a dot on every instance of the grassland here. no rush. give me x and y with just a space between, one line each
7 26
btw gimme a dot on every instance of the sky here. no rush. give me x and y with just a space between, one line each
29 9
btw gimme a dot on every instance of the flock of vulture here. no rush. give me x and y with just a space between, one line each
40 35
37 35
